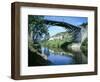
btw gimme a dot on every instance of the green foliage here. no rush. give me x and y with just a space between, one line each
54 43
84 24
37 27
58 43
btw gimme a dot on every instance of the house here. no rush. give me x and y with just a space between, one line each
59 37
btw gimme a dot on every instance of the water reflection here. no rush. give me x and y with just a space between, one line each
61 57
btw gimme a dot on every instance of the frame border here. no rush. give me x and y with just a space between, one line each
15 40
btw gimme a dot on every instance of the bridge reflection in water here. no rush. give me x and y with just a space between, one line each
64 58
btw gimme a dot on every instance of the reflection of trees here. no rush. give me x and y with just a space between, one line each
46 51
79 58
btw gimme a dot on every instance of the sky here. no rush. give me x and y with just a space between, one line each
72 20
55 29
68 19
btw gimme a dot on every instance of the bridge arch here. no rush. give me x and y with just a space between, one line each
71 28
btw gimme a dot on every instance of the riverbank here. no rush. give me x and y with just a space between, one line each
35 57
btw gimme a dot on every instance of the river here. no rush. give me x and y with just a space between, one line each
61 57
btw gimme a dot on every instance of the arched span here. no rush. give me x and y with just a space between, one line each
71 28
68 26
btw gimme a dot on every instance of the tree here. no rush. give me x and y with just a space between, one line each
84 24
37 29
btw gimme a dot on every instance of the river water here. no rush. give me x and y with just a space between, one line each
61 57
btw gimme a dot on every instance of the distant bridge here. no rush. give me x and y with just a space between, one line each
71 28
